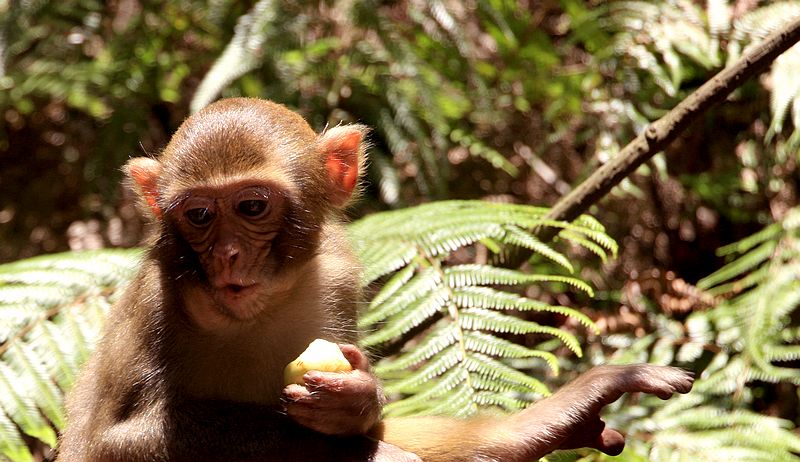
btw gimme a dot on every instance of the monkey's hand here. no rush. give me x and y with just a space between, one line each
571 417
337 403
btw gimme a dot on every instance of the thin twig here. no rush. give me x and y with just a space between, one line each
664 130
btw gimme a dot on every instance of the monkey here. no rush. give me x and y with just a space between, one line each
247 263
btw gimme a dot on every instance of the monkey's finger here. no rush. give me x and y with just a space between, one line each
295 392
311 420
610 442
355 356
326 390
661 381
312 417
595 434
347 383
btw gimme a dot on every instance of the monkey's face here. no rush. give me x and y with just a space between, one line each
231 229
247 186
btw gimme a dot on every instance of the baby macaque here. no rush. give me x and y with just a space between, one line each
247 265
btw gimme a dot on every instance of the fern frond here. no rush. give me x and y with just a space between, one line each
435 367
741 265
412 316
585 243
481 319
747 338
760 22
20 406
517 237
460 402
48 342
492 346
719 17
37 381
51 309
486 297
785 91
380 261
12 445
397 282
446 241
433 344
422 284
462 310
753 322
507 403
471 275
487 367
419 401
747 281
768 233
501 387
782 353
754 26
597 236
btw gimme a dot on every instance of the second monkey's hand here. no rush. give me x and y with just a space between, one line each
337 403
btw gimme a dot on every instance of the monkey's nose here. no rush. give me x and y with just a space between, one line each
227 254
232 256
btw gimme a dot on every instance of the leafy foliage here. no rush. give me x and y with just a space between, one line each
785 88
684 39
665 49
51 310
756 323
83 86
459 361
715 421
743 344
387 74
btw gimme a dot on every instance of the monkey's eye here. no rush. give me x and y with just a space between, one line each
252 207
200 216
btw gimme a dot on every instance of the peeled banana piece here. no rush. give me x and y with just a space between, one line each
321 355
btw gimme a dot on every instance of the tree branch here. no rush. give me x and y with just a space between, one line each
664 130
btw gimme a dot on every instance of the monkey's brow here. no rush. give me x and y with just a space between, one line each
261 192
177 201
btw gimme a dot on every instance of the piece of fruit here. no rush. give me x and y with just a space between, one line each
321 355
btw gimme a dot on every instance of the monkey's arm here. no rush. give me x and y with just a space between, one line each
568 419
571 417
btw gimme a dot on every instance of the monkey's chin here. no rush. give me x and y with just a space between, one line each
239 302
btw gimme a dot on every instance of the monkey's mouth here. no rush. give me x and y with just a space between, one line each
237 290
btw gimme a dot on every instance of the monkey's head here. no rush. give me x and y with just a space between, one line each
242 191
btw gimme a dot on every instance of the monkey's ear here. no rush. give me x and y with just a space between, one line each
143 173
344 152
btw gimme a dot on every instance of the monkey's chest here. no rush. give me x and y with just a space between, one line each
249 370
233 374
